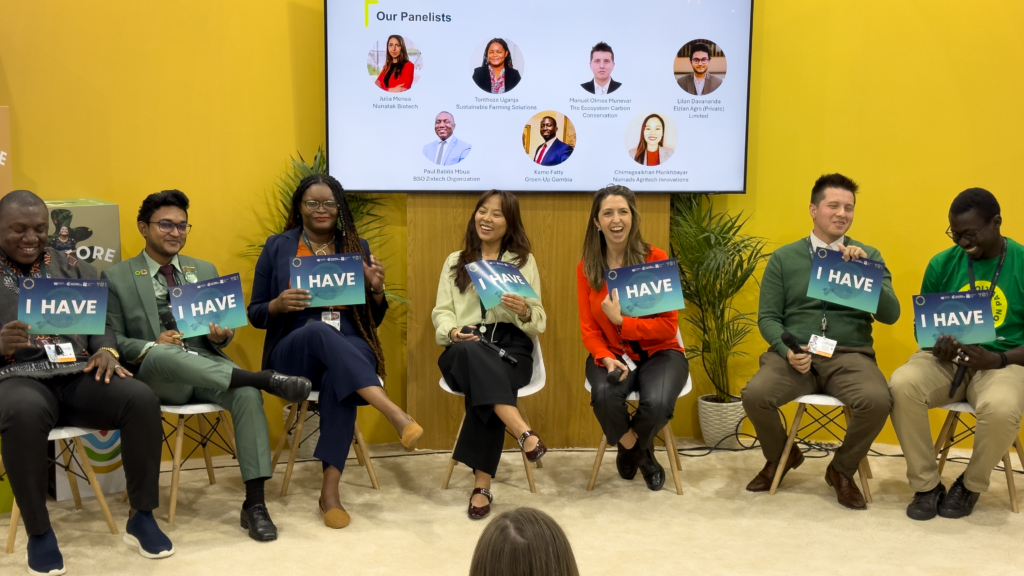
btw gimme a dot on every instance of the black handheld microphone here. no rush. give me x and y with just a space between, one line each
501 351
614 375
169 323
957 379
790 341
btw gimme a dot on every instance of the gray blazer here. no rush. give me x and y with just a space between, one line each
711 83
663 155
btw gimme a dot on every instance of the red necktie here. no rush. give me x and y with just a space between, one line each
540 155
168 274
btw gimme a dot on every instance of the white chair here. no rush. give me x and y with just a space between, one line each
949 438
535 385
820 419
203 437
66 437
669 437
294 424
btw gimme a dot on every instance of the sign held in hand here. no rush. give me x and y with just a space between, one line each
966 316
332 280
63 305
855 284
492 278
218 301
646 289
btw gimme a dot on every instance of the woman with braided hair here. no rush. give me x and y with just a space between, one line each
337 348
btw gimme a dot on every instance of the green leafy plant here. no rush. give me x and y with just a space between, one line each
716 259
364 207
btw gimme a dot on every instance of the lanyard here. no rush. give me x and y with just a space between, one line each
995 275
824 305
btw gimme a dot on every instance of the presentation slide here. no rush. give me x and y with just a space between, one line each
538 97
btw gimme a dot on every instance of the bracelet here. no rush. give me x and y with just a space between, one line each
383 287
1002 360
528 315
112 352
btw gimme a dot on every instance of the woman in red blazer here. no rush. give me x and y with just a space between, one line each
645 350
397 74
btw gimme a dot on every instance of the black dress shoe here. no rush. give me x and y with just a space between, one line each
624 462
650 469
291 388
480 512
926 504
256 519
960 501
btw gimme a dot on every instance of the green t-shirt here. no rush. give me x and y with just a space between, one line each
947 272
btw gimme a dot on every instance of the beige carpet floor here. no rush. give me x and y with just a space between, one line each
412 527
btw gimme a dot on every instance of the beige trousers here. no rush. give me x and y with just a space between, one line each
923 383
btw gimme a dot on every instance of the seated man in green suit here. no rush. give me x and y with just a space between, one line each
194 369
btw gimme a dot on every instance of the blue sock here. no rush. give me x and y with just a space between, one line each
43 554
152 542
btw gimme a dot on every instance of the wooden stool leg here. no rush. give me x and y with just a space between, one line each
864 476
940 441
522 413
179 439
529 473
1009 482
13 532
97 490
1020 450
451 461
283 440
360 457
789 447
597 462
361 445
670 448
949 441
675 450
229 431
204 429
65 453
124 497
296 440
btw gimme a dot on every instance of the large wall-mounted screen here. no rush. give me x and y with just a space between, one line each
546 97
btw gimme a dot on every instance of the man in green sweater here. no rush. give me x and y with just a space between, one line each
850 374
994 382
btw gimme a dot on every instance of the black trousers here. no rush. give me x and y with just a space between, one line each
30 409
486 380
659 379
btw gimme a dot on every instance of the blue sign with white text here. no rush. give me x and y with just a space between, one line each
646 289
492 278
218 301
332 280
63 305
966 316
855 284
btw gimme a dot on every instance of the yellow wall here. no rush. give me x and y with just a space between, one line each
916 100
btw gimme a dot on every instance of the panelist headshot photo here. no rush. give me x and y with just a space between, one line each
395 64
446 150
699 67
651 138
501 68
549 138
602 62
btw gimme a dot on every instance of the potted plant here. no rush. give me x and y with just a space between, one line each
716 259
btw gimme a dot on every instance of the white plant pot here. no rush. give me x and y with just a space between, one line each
718 421
310 435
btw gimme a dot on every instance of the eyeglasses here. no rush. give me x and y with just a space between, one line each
314 206
970 236
166 226
700 60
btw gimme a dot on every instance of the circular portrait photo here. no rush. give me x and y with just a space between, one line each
651 138
497 65
549 138
699 67
394 64
446 149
